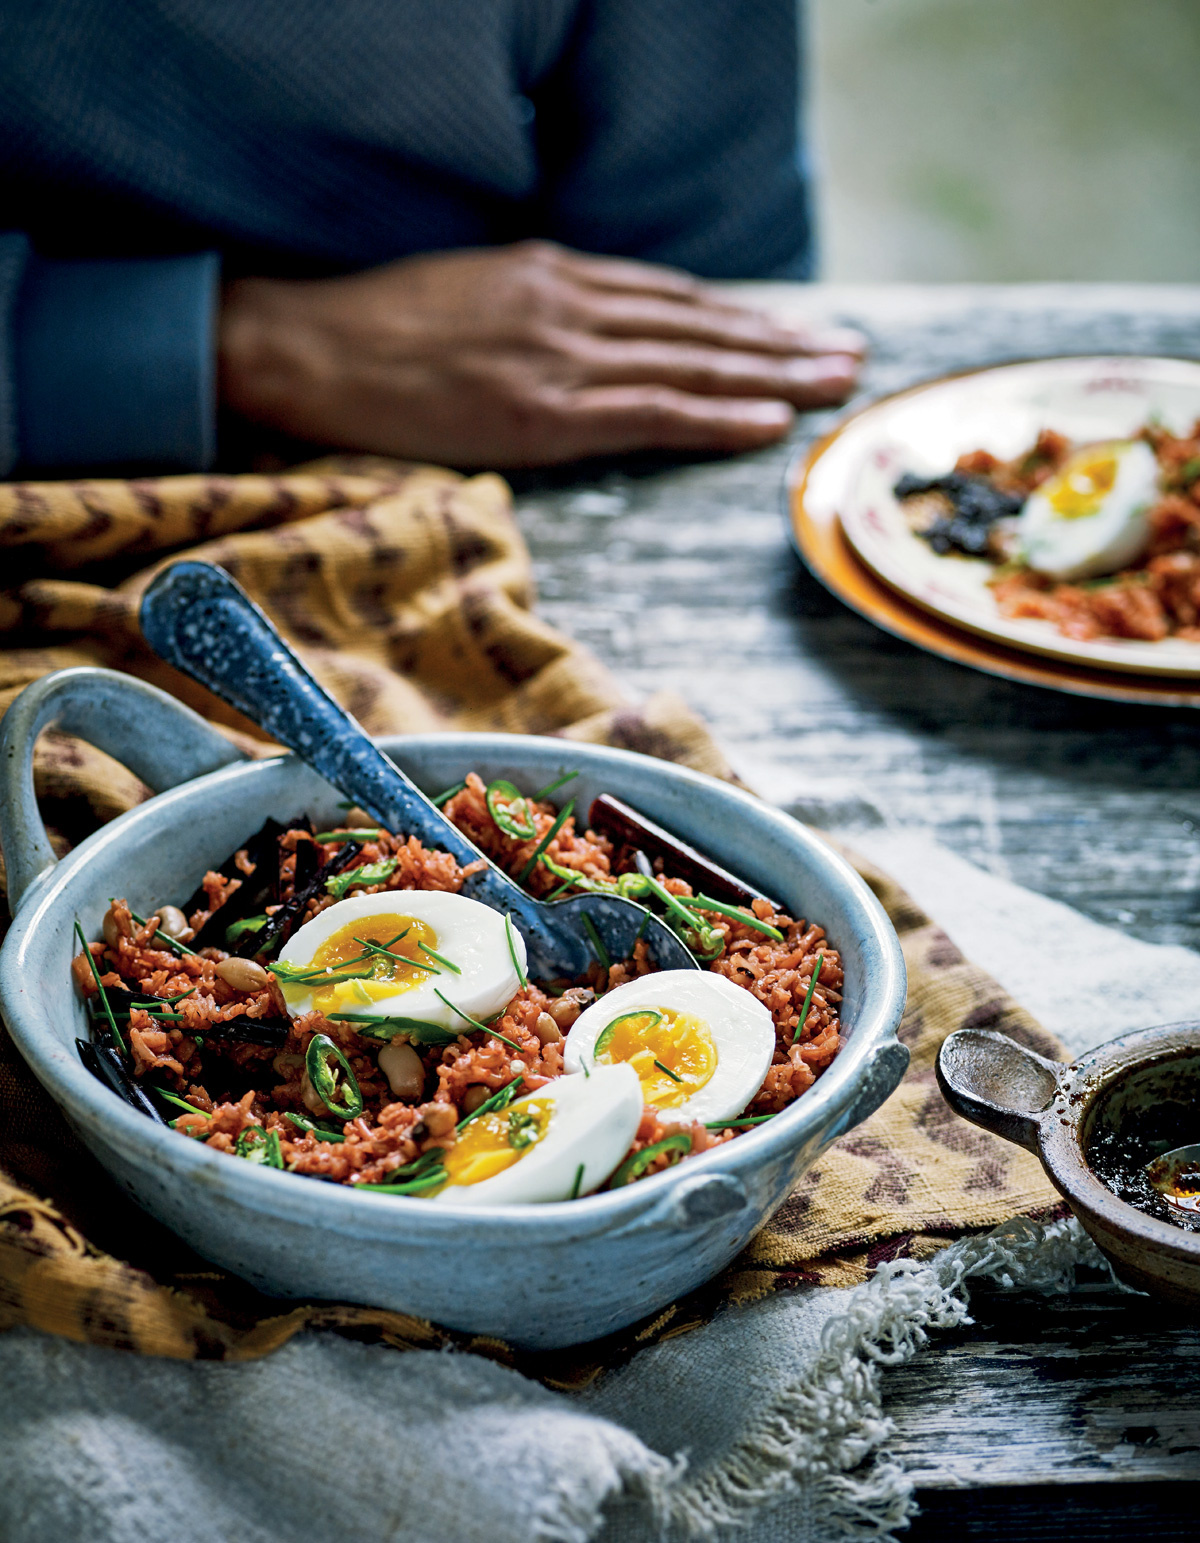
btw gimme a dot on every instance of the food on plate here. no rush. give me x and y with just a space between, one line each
329 1003
1101 539
1089 518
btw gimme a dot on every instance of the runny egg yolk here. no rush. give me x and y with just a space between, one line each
495 1141
673 1053
401 935
1082 485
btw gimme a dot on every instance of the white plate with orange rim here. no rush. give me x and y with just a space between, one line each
1002 409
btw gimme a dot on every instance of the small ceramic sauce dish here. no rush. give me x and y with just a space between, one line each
1096 1123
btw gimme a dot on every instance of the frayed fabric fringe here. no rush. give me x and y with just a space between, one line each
824 1436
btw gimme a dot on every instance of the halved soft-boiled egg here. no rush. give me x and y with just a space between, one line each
411 953
1090 517
558 1142
700 1045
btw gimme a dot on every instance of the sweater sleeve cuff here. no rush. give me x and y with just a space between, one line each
115 363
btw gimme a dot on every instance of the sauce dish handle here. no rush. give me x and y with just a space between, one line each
157 738
992 1081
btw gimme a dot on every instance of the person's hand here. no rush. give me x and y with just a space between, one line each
520 356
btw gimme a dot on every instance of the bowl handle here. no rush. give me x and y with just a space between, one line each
157 738
992 1081
879 1079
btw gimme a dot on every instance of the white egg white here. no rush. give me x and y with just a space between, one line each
592 1124
1069 547
472 935
741 1027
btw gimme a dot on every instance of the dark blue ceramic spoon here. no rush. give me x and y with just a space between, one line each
199 620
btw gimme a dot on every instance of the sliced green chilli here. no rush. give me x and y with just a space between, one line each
634 1167
333 1078
564 814
238 929
259 1146
369 873
510 809
606 1033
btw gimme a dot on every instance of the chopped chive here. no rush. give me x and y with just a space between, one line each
668 1070
812 986
417 964
574 1195
475 1023
750 1119
553 787
706 934
313 1129
159 1017
434 1179
637 937
444 798
512 951
562 889
596 941
500 1099
171 1098
143 921
108 1012
738 914
441 958
341 836
564 815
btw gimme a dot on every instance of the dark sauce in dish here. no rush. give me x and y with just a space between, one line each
1118 1158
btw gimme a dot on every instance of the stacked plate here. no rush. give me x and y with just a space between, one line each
853 533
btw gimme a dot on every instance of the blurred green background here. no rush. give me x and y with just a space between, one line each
1006 139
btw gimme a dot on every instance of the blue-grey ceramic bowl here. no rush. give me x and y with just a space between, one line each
540 1276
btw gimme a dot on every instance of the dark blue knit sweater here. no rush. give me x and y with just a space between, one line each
144 144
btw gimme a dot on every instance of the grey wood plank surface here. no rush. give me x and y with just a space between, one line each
681 577
1052 1390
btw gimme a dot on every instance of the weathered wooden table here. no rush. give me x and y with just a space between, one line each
1046 1419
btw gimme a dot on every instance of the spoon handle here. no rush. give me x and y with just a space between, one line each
197 618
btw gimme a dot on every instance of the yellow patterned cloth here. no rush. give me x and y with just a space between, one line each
407 591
